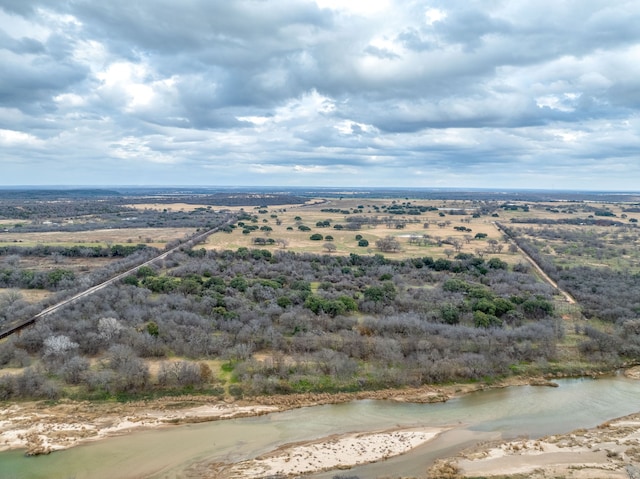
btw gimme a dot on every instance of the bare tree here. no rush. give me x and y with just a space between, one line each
329 247
388 244
109 328
282 242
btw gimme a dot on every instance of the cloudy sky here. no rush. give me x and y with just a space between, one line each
455 93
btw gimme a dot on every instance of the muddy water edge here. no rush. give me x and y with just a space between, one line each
184 451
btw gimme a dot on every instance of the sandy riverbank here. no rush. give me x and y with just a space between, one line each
42 427
335 452
610 451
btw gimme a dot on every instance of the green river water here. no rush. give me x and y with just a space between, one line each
181 451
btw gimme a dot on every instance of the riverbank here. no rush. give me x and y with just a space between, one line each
335 452
42 427
609 451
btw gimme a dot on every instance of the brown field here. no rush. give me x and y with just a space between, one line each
152 236
28 295
345 241
45 263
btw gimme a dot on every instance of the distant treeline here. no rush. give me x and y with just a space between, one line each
50 194
570 221
112 217
226 199
116 250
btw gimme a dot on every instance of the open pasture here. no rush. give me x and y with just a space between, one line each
442 229
156 237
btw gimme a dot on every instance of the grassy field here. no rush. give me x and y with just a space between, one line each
156 237
437 225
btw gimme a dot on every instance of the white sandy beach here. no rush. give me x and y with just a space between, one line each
610 451
335 452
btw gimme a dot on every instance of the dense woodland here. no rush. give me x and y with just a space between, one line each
285 322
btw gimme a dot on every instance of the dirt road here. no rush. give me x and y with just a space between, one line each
189 243
570 299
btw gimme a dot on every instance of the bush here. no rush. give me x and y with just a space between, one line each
236 391
316 237
283 302
482 320
180 374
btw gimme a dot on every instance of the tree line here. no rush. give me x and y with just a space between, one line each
320 323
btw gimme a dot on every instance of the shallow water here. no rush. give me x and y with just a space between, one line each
172 452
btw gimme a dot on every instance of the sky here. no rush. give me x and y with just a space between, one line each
391 93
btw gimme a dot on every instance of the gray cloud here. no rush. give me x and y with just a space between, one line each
501 94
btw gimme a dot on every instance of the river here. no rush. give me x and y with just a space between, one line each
176 451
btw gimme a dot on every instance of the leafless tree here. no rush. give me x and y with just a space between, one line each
388 244
329 247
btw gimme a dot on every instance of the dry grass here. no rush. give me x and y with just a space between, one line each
29 295
49 263
345 241
157 237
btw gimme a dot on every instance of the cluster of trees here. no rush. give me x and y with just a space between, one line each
604 293
388 244
590 221
44 250
56 279
37 210
417 321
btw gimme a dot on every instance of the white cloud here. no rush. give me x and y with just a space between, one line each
564 102
139 150
69 100
308 106
359 7
433 15
12 138
369 92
